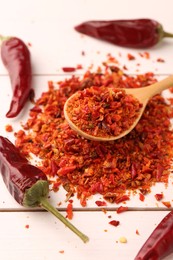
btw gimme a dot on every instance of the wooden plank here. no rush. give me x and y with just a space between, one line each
40 236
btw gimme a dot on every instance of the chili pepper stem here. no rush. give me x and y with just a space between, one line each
37 196
167 34
46 205
4 38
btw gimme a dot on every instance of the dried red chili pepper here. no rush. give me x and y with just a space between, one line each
160 242
16 58
26 183
135 33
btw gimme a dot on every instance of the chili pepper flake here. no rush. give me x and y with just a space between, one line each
61 251
100 203
158 196
121 209
27 226
145 55
114 223
160 60
9 128
167 204
111 59
79 67
137 232
112 169
69 69
69 210
141 197
130 56
104 211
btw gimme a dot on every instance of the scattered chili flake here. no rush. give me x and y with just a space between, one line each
100 203
104 211
111 59
167 204
27 226
160 60
141 197
9 128
114 223
84 167
69 210
130 56
122 199
137 232
79 67
103 111
158 196
125 67
69 69
121 209
145 55
61 251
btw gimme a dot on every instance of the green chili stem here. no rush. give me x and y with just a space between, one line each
46 205
167 34
4 38
37 196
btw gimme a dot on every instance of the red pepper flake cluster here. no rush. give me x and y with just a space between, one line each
84 167
102 111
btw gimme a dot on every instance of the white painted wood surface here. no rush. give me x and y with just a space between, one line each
48 27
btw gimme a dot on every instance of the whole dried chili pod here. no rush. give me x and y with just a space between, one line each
27 183
16 58
160 242
134 33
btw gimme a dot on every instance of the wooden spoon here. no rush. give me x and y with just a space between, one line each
142 94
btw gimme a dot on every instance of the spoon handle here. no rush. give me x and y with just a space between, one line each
159 86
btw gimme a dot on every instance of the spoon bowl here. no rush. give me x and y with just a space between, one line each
141 94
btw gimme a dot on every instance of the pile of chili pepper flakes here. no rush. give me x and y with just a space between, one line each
84 167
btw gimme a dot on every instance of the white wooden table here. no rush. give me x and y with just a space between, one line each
48 26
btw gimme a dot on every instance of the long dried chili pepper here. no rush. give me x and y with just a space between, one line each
160 242
135 33
16 58
27 183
